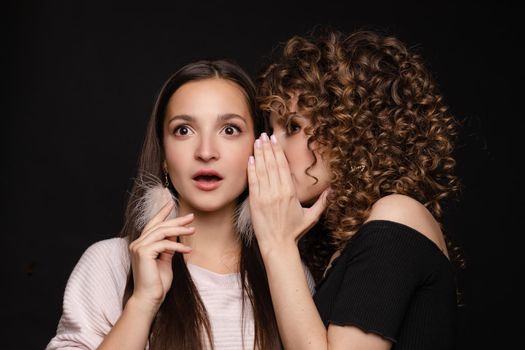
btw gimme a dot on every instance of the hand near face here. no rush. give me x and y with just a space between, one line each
277 215
151 256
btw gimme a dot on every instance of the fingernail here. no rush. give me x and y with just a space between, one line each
274 139
257 143
251 160
264 137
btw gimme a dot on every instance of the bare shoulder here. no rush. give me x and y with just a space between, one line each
408 211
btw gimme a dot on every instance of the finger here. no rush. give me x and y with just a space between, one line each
177 222
163 213
282 164
167 255
153 251
167 232
317 209
168 247
271 164
260 166
253 183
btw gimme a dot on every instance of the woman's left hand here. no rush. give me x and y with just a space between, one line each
277 215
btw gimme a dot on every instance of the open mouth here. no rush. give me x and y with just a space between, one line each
207 178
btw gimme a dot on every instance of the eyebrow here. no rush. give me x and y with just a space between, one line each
221 117
228 116
184 117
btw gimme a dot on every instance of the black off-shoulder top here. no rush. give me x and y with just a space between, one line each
393 281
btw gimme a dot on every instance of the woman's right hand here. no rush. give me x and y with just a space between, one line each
277 216
151 256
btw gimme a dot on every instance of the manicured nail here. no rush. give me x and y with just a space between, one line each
264 137
251 160
257 143
274 139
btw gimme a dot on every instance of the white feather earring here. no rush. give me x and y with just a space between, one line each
243 222
154 198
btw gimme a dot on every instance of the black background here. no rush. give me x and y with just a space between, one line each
80 82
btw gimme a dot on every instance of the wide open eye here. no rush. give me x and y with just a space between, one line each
182 130
231 130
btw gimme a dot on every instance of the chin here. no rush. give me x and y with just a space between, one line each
209 202
307 201
206 208
310 197
208 205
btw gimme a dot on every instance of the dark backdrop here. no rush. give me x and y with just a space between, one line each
80 83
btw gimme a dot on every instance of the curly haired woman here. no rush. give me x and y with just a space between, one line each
363 141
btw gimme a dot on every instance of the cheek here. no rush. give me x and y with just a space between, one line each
170 150
176 159
238 155
300 156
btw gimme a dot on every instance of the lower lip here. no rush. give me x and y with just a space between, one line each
207 185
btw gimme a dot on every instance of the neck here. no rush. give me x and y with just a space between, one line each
216 245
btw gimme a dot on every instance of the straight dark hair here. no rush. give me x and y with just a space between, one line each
170 330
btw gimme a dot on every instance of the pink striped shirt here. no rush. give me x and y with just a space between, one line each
93 300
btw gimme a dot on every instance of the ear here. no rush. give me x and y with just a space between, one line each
243 222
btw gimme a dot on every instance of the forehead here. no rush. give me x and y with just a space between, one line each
209 96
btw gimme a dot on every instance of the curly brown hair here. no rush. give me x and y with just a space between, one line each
376 111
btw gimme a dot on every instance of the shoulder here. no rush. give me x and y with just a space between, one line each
108 247
100 272
405 210
107 257
93 295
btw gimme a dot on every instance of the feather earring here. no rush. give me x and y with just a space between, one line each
243 222
154 198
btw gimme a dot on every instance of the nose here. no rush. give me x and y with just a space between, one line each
206 150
